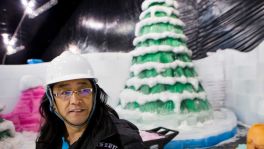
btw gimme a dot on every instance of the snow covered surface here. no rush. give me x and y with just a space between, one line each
174 121
24 140
223 120
8 125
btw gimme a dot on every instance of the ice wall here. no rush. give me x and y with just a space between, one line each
243 77
15 78
111 70
244 74
231 78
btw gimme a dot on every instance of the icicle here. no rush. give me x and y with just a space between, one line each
154 9
147 3
133 96
159 67
157 36
160 48
136 82
149 21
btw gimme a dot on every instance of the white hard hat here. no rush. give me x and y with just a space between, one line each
68 66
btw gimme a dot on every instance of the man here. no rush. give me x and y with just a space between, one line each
75 112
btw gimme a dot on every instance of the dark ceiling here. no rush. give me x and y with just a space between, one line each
210 25
35 34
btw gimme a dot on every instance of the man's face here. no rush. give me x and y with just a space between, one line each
74 106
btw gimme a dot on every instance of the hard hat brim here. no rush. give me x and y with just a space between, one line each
70 77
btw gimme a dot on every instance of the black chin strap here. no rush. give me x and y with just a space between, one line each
53 105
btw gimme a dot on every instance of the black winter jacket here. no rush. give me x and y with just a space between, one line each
114 133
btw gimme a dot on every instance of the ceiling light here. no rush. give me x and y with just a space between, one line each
28 4
42 8
90 23
74 48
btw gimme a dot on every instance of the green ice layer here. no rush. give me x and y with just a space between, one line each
160 28
168 72
162 57
188 105
160 14
166 41
175 88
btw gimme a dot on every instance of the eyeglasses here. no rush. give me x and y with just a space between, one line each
84 92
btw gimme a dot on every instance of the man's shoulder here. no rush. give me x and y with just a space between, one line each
128 133
122 123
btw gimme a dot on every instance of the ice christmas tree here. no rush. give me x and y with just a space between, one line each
162 76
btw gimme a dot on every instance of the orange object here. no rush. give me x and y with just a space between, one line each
255 137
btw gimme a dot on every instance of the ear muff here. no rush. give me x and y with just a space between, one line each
51 99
